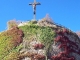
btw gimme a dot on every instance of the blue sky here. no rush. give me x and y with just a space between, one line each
64 12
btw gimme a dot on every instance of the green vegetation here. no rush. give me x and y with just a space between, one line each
14 54
47 37
11 40
32 22
44 34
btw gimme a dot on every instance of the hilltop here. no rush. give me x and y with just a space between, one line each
41 40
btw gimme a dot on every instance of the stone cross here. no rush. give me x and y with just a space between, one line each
34 8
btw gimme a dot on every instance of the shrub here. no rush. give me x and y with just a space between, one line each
9 40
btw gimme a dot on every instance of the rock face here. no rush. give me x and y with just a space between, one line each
65 46
39 40
68 45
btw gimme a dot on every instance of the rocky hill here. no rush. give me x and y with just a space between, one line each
39 40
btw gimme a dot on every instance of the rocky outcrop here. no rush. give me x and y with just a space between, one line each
66 45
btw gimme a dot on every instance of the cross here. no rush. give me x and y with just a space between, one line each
34 8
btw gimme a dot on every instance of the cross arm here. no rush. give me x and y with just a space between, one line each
38 3
30 4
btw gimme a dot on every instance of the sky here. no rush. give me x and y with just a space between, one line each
63 12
